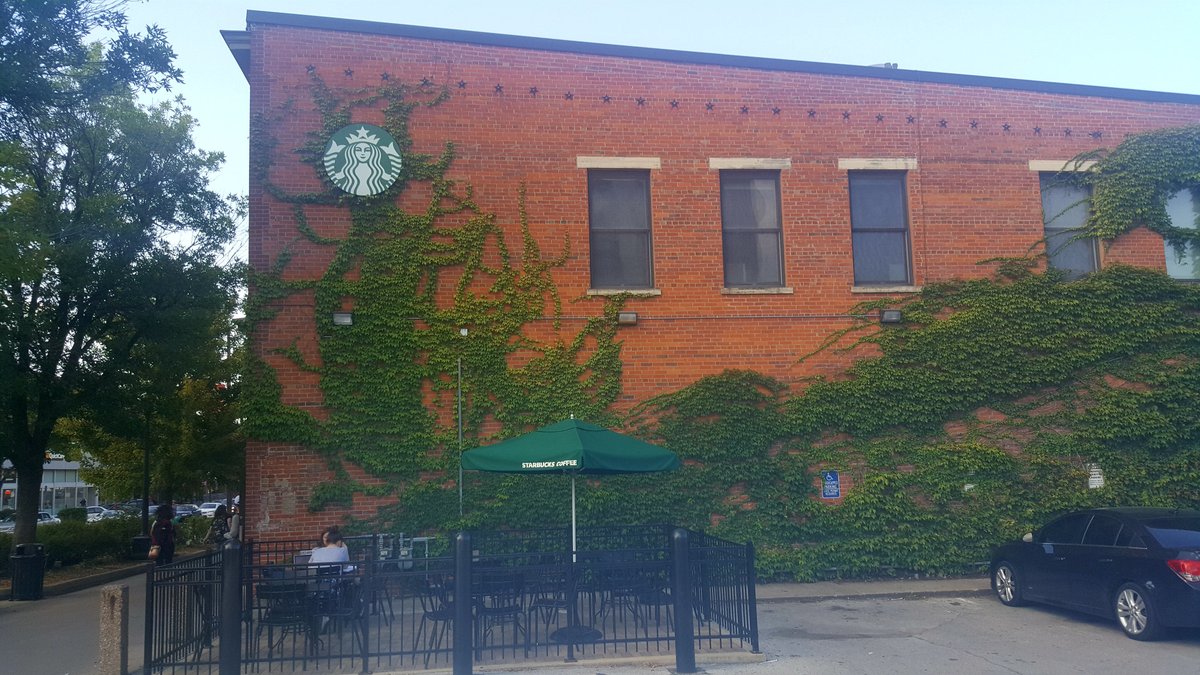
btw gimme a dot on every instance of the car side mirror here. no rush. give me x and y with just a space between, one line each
1028 538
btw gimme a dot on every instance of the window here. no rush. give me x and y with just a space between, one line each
619 216
750 229
1064 211
1175 532
1184 210
879 228
1102 532
1130 539
1066 530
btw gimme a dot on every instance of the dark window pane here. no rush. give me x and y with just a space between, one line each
750 200
1064 211
1068 530
1175 532
620 260
1102 532
751 226
879 228
752 259
877 201
1064 203
880 257
1130 539
619 200
1075 257
619 215
1183 209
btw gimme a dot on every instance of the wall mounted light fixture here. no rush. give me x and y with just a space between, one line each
891 316
343 318
626 318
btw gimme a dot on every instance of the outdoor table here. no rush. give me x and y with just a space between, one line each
575 632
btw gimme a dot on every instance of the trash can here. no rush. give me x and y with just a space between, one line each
28 563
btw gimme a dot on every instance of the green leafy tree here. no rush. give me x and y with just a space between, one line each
193 435
110 239
46 61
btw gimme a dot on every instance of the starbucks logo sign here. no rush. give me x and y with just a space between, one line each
362 159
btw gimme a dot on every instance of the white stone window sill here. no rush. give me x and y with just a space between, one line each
885 289
624 291
783 290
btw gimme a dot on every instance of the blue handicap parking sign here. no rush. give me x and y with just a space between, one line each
831 485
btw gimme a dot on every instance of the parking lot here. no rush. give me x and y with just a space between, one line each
954 636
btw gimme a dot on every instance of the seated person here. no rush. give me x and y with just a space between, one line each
332 550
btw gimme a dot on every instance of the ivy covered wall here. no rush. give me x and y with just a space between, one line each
969 424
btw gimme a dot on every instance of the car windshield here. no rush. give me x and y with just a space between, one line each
1180 532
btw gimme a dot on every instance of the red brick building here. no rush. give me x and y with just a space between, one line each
746 204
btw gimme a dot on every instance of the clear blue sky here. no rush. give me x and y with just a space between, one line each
1142 44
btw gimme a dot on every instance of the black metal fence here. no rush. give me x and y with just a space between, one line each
398 604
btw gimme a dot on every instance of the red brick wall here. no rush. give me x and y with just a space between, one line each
971 197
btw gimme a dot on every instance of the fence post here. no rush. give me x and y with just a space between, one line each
704 608
681 593
231 608
148 642
368 596
463 649
752 582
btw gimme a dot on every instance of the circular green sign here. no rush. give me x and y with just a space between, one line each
362 159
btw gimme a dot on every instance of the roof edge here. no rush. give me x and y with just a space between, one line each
238 42
704 58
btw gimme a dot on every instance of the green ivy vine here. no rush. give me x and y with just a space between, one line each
978 418
1132 183
395 270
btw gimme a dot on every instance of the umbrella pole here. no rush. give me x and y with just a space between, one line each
573 517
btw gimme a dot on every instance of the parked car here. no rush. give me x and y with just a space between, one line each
1140 566
209 509
44 518
184 511
95 513
134 506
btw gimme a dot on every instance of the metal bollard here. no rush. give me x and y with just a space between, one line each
463 647
231 608
752 582
681 593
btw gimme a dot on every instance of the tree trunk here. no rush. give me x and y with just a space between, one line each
29 499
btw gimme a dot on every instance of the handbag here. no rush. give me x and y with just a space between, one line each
153 552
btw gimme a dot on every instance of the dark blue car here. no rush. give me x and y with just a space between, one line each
1140 566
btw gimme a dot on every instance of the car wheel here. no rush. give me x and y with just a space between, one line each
1136 614
1005 582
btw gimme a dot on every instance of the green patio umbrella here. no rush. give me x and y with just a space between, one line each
571 446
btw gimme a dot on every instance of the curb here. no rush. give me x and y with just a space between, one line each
893 595
64 587
585 664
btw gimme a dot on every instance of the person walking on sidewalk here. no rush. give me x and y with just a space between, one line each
218 532
162 535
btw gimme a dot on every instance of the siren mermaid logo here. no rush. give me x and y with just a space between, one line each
362 159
